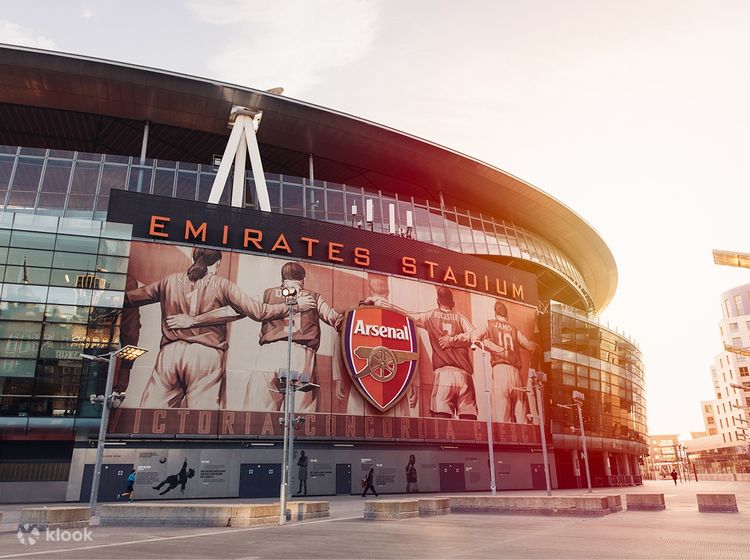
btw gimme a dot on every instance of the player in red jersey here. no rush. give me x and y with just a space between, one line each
189 370
504 342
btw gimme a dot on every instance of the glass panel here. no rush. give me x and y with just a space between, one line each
104 298
437 228
292 199
206 182
111 281
80 205
335 206
27 275
19 329
25 184
79 261
6 169
17 368
4 240
21 311
163 182
69 296
112 264
32 240
77 244
71 278
117 231
113 177
140 179
19 348
76 226
354 198
422 224
186 184
15 292
451 230
35 222
67 313
115 248
31 257
274 194
85 177
316 203
56 176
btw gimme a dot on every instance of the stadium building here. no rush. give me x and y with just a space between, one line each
428 285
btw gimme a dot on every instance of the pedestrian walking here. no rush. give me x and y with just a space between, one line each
674 476
368 483
302 464
129 490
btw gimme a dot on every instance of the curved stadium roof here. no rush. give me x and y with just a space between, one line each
50 99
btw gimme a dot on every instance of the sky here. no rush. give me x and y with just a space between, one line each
634 114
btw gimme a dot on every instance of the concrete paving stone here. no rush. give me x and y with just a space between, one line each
679 532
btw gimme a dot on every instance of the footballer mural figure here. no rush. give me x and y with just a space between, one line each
453 393
504 343
262 392
189 370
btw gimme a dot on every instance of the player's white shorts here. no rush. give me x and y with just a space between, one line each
508 403
186 375
453 392
262 394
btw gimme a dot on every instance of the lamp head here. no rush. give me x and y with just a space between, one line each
289 291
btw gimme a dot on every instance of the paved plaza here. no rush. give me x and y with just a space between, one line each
678 532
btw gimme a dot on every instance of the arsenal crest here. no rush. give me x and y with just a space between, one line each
379 348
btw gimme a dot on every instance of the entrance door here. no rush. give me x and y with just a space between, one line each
452 477
260 480
538 480
343 478
112 481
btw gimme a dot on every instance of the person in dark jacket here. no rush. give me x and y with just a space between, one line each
302 464
674 476
368 483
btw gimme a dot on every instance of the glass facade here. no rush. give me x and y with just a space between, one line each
60 296
77 184
607 367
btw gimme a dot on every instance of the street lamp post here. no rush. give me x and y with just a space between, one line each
289 382
490 443
538 378
578 400
108 400
290 294
578 403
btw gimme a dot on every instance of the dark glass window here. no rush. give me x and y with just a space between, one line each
30 257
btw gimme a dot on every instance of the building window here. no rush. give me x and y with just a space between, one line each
737 342
744 371
738 305
733 327
725 309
